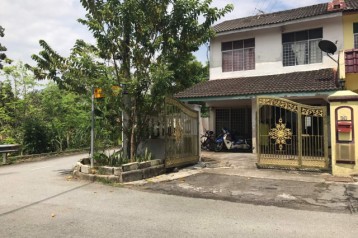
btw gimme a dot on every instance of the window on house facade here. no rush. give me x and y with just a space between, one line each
355 33
238 55
301 47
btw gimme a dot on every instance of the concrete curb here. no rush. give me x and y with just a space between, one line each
122 174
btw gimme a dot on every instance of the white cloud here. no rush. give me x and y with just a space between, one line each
55 21
26 22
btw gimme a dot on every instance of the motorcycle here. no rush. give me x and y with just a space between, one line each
208 141
228 142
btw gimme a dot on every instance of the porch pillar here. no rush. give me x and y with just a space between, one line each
253 125
212 119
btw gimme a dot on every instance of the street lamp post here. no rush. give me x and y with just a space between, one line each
98 93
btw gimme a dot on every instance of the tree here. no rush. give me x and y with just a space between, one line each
22 78
189 73
2 49
67 114
36 137
146 43
78 73
7 113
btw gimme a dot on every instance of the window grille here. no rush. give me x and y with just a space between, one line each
355 34
237 120
222 119
301 47
238 55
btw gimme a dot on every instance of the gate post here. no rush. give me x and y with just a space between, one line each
254 125
325 139
344 131
299 135
200 131
257 133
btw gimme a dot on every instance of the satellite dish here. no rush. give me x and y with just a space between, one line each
327 46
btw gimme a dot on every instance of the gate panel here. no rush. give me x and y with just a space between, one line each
181 134
314 136
291 134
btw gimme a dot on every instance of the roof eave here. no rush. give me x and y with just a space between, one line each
251 96
320 17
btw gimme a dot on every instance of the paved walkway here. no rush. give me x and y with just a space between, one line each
244 164
234 177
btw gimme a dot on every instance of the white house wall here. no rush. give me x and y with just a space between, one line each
268 48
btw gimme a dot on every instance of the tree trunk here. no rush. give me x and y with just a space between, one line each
133 134
125 127
68 140
125 70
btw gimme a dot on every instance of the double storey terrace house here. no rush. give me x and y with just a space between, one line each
275 55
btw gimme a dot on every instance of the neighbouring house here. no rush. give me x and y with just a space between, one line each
278 55
349 59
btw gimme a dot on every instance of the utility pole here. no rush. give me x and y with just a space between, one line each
92 126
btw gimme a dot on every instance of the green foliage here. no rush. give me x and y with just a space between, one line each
117 159
7 113
67 116
2 48
108 121
78 72
36 137
114 159
61 117
145 157
22 79
194 69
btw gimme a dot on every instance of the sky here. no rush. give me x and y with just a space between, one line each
55 21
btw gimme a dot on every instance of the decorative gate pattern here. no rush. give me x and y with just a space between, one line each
291 134
182 134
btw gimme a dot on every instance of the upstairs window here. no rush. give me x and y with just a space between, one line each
301 47
355 33
238 55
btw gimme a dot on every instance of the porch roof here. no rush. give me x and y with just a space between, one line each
298 82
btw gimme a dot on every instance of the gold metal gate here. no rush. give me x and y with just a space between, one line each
291 134
182 134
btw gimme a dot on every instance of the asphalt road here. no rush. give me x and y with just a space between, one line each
40 200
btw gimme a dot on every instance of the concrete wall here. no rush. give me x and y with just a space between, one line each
268 48
352 82
348 20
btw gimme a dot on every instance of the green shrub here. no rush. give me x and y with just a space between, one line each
36 139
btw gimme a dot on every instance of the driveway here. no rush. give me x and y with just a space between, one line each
234 177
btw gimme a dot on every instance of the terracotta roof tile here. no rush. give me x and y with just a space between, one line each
279 17
352 5
308 81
